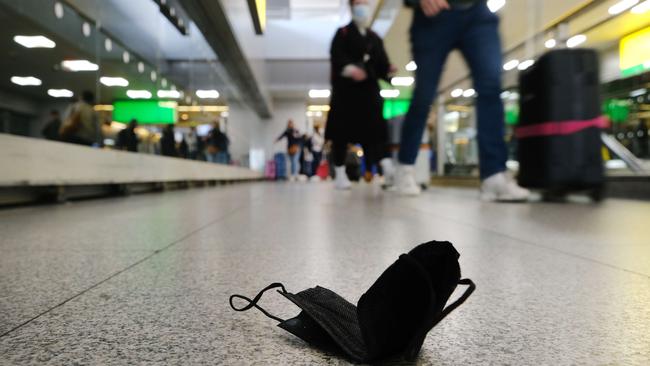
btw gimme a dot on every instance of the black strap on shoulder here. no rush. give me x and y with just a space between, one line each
253 303
460 301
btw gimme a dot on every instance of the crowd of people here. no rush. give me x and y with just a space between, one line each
81 126
305 152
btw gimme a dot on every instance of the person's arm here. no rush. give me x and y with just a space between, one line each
284 134
383 66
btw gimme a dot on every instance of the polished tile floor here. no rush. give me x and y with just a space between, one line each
146 279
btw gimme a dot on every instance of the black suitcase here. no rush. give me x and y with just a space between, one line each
559 143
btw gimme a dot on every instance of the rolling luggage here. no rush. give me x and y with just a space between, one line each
269 170
280 160
559 143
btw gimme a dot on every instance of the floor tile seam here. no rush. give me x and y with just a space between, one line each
129 267
530 243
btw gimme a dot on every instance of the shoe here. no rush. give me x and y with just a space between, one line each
368 177
341 181
502 188
388 169
405 179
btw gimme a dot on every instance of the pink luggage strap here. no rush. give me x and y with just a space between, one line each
560 128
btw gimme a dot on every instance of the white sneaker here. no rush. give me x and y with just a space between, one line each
405 179
502 188
341 182
388 168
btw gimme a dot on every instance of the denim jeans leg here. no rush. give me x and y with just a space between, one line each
481 47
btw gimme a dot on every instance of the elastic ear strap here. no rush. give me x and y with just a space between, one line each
460 301
253 303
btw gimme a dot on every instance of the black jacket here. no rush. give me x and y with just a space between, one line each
356 107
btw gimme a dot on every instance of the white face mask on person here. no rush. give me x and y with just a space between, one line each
361 14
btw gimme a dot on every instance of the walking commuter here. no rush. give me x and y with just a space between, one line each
193 144
217 145
81 125
168 142
51 129
317 144
127 138
294 143
358 61
438 27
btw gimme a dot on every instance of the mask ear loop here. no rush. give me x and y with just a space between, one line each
460 301
253 303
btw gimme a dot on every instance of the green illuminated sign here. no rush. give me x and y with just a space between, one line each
396 107
145 111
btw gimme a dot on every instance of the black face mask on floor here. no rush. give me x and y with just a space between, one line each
391 319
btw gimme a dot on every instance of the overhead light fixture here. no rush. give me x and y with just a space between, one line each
456 93
469 93
138 94
389 93
641 8
207 94
169 94
140 67
511 65
114 81
85 29
319 108
60 93
505 95
108 45
402 81
622 6
58 10
319 93
576 41
257 9
496 5
551 43
26 80
412 66
205 108
104 108
526 64
35 41
154 76
638 92
78 65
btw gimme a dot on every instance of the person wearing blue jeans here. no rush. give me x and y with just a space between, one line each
439 27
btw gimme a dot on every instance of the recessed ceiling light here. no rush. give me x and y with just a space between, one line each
469 93
207 94
34 41
60 93
138 94
85 29
154 76
551 43
641 8
113 81
79 65
140 67
108 45
26 81
58 10
622 6
456 93
126 57
526 64
389 93
575 41
169 94
510 65
402 81
320 93
496 5
163 82
411 66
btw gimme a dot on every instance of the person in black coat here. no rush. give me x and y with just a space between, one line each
358 61
127 138
168 142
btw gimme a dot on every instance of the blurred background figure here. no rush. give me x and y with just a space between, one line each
168 142
183 149
317 144
127 139
217 145
51 129
294 143
81 125
358 61
193 144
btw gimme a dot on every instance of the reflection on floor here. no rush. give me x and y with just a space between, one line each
146 279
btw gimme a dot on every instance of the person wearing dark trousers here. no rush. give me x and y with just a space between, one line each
168 142
218 144
438 27
51 129
294 144
358 61
127 138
